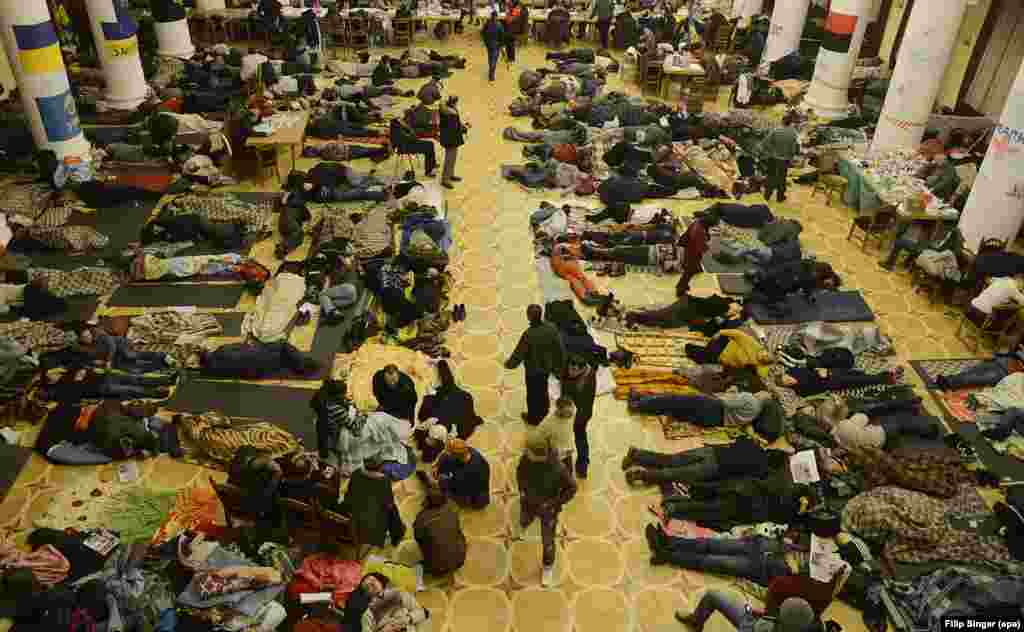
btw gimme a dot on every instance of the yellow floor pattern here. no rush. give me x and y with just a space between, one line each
606 581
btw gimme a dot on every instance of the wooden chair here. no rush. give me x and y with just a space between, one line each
338 527
302 518
872 225
994 325
652 75
723 40
358 34
829 181
697 90
230 497
336 33
401 29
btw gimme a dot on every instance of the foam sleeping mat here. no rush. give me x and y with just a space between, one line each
283 406
734 284
177 294
828 306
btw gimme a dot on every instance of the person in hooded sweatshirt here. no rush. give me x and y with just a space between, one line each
493 35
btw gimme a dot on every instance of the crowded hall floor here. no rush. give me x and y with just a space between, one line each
655 349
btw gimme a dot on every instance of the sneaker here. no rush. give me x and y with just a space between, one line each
455 179
547 577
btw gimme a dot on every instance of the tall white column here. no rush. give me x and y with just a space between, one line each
210 5
113 30
921 65
788 20
34 53
828 95
995 207
747 8
172 35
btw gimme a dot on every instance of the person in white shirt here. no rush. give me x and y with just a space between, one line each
1000 291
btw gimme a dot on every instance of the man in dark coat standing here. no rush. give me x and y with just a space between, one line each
541 352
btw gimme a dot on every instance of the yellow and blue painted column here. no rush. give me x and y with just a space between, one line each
114 30
31 43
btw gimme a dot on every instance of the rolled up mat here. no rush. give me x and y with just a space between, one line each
830 307
177 294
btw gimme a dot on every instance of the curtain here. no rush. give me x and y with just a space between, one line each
1000 63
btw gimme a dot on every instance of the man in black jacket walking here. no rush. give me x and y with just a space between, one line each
541 352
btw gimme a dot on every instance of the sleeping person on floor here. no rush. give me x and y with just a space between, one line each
773 284
299 476
74 386
112 431
228 266
731 485
253 360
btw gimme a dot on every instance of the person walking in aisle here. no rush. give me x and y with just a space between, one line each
779 148
493 35
604 10
545 486
541 352
515 19
452 136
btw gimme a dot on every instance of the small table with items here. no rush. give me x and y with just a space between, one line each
683 74
291 132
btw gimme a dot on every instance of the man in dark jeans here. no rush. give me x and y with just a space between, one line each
987 373
404 141
779 149
91 385
541 352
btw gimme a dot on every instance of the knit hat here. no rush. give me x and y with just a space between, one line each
458 447
438 433
795 615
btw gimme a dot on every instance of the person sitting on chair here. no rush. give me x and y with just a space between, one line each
404 141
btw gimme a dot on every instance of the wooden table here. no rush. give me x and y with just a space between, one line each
292 135
675 73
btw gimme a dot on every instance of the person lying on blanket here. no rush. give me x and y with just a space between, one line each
112 431
772 285
732 409
115 352
231 265
808 382
773 496
687 310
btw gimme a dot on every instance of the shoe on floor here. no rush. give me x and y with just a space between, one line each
455 179
582 468
781 198
448 185
547 577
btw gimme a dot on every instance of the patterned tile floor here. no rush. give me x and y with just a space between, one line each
606 581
